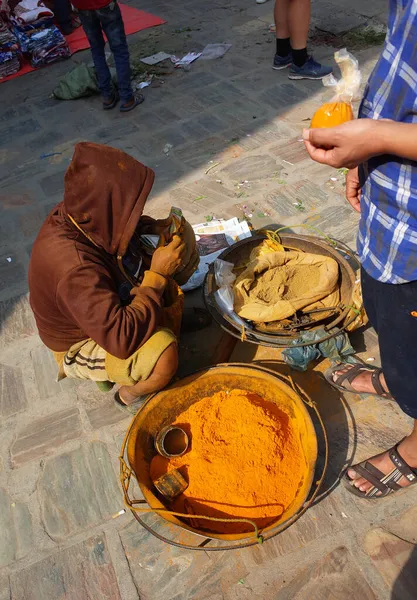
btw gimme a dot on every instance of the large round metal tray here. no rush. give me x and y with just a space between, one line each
162 409
239 253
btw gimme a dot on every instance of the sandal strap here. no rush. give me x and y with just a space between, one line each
350 375
356 370
382 485
409 473
376 382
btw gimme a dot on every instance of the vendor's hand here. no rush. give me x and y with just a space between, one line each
353 189
167 260
346 145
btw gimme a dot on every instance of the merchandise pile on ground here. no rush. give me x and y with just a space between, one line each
29 30
245 461
9 51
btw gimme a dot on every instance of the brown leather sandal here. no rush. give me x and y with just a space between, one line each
382 485
344 381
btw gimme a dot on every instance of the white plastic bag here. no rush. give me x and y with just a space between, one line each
223 273
339 109
347 87
225 297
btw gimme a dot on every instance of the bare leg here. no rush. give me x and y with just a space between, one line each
163 372
281 18
292 20
299 12
292 23
407 449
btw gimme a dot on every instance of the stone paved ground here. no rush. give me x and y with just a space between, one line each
59 442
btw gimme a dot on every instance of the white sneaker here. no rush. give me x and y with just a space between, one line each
261 1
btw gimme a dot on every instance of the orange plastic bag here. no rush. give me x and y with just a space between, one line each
339 110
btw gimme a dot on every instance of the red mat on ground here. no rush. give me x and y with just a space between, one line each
134 20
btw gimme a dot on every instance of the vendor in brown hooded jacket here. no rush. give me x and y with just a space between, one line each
102 322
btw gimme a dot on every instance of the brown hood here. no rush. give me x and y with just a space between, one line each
105 192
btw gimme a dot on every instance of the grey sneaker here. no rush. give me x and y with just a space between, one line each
282 62
310 70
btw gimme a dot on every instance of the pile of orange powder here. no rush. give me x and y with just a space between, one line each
245 460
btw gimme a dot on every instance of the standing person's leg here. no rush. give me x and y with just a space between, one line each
112 23
283 55
62 10
391 308
299 13
292 22
92 27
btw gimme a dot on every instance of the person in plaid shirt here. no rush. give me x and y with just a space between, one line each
380 150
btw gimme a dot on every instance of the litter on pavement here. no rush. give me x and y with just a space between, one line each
185 60
212 51
154 59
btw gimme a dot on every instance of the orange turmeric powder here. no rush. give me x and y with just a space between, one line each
245 460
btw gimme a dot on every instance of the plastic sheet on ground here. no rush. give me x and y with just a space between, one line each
338 349
213 51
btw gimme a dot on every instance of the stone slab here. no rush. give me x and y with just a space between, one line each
323 519
13 276
292 151
251 168
396 561
336 575
44 436
370 8
107 414
53 184
99 406
46 370
16 199
16 529
12 392
82 572
281 95
296 199
18 130
326 18
16 320
78 490
162 571
340 221
405 525
5 591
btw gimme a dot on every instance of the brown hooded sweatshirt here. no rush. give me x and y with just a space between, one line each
73 277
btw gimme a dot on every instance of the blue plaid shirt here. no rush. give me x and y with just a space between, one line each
387 241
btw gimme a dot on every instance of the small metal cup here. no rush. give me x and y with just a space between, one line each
171 484
171 442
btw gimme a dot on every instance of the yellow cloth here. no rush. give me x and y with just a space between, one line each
278 284
357 309
87 360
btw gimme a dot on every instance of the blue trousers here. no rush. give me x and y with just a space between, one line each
390 308
108 20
